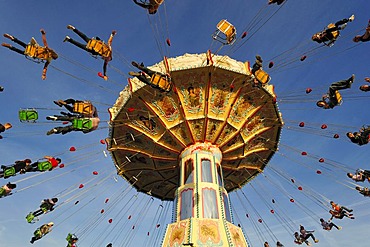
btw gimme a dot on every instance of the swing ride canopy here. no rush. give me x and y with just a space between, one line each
213 100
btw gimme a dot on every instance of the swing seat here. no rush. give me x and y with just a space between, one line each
82 124
44 166
36 52
84 108
339 97
9 171
99 47
161 82
28 115
262 76
2 192
31 218
335 34
225 33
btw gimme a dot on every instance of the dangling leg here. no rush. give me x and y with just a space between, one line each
60 130
143 68
38 212
76 43
13 48
79 33
15 40
343 84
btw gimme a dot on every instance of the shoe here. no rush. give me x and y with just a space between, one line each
8 36
6 45
50 132
57 103
42 31
135 64
350 210
66 39
60 102
132 73
71 27
351 18
339 228
259 58
351 80
54 118
316 240
3 167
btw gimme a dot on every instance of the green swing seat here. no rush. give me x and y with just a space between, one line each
28 115
82 124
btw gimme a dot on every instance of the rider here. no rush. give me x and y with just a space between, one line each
361 137
360 175
157 79
20 166
95 46
78 123
34 50
340 211
47 165
306 234
332 32
365 37
364 191
72 240
330 100
6 190
328 226
72 105
41 231
45 206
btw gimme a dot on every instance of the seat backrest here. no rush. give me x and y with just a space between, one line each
339 97
334 33
161 82
8 172
83 108
44 166
228 31
26 115
99 46
262 76
82 123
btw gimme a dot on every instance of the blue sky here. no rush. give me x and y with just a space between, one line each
189 25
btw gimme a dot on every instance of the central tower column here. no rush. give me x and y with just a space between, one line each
202 214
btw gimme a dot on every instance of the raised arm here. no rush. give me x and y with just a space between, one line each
43 34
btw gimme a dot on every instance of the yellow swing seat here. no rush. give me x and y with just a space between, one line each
339 97
99 47
262 76
85 108
161 82
225 33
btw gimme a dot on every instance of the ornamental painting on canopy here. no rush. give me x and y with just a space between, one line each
210 102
